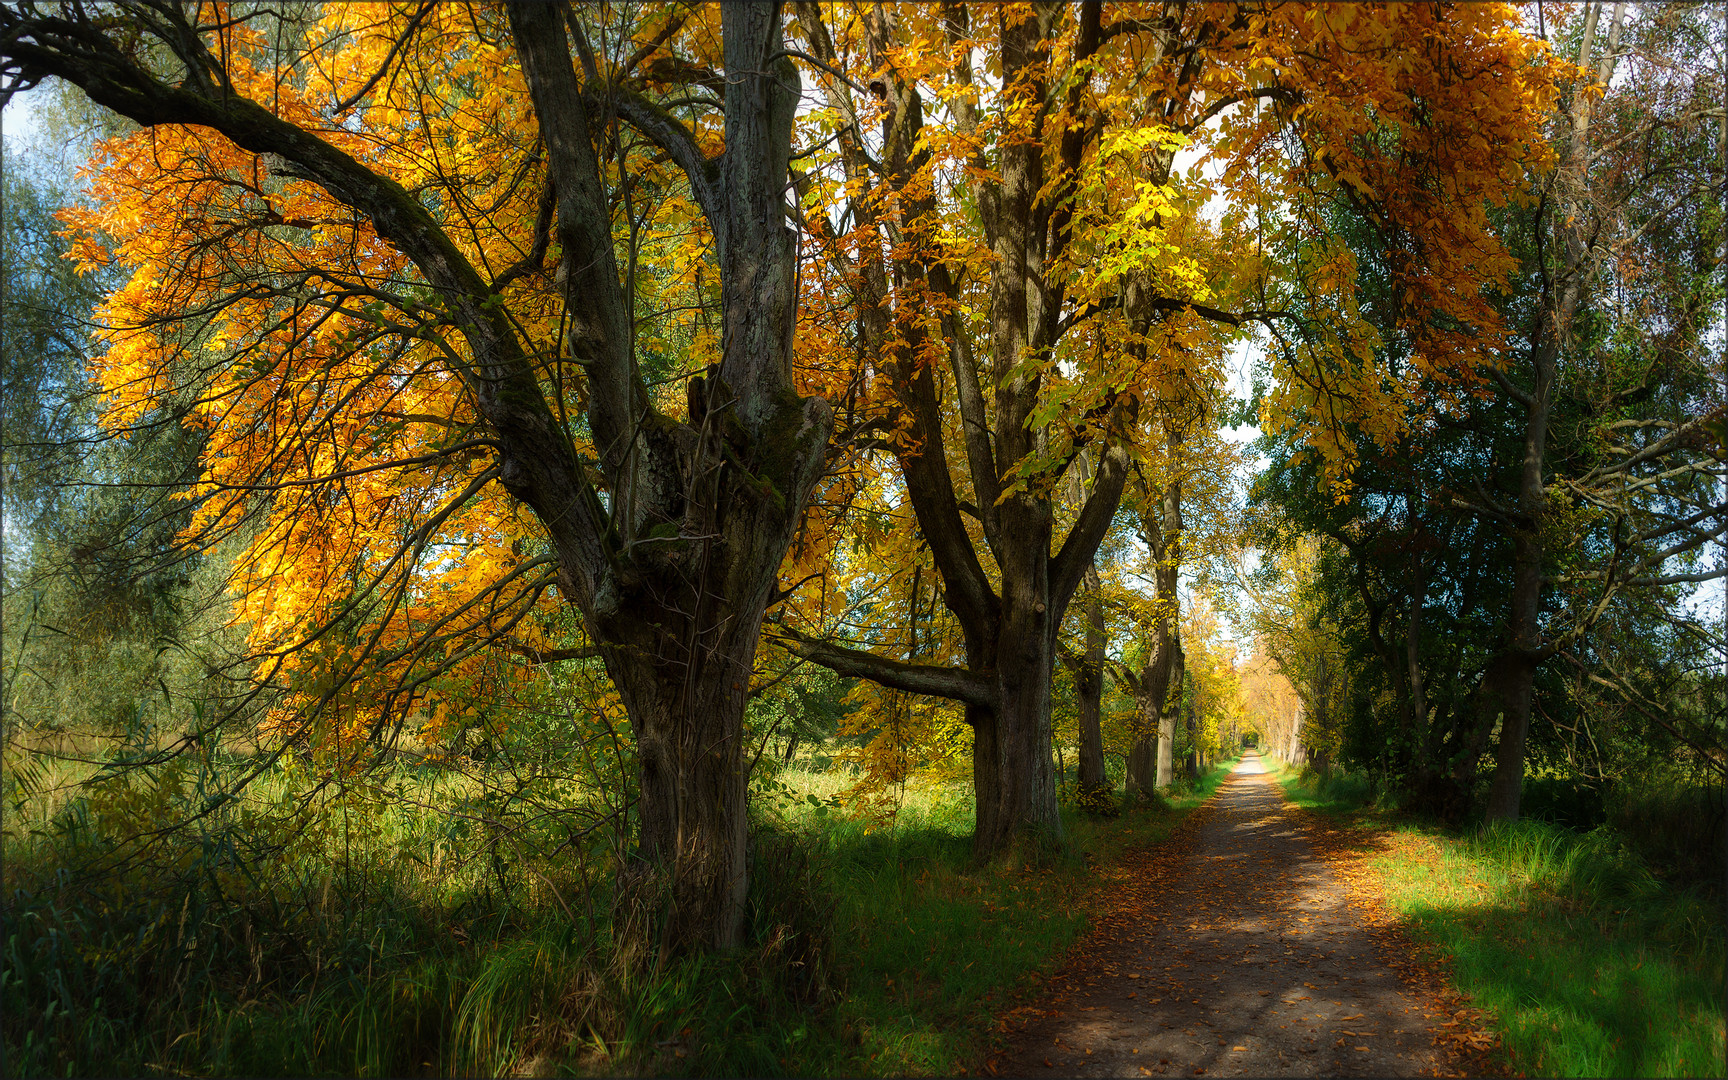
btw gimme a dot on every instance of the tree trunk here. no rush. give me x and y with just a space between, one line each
1167 717
1025 785
680 648
1517 688
688 873
1524 651
1142 760
1013 769
1191 761
986 772
1089 690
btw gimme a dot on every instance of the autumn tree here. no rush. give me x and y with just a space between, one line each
395 259
1030 269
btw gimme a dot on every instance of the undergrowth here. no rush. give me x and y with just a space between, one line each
1586 961
366 946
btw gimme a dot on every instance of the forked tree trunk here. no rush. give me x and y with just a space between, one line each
680 650
702 511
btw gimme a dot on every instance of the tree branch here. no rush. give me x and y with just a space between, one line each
1083 539
673 136
954 684
549 656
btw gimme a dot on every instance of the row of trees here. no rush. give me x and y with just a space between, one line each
506 337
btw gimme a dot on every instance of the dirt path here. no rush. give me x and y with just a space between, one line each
1233 954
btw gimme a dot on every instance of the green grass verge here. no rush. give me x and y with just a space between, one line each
1585 962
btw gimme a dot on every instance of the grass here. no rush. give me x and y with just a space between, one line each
377 938
1587 964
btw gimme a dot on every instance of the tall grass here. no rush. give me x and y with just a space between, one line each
373 937
1680 828
1588 963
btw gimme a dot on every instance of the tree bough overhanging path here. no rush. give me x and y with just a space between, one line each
1235 949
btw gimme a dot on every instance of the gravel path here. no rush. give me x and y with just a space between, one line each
1235 954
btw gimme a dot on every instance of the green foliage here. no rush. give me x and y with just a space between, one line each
1680 828
1591 966
1333 791
107 618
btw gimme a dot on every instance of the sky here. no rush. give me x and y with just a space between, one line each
19 119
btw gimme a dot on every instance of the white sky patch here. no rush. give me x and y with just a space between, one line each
21 123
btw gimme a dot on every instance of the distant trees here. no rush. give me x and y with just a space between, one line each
102 607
